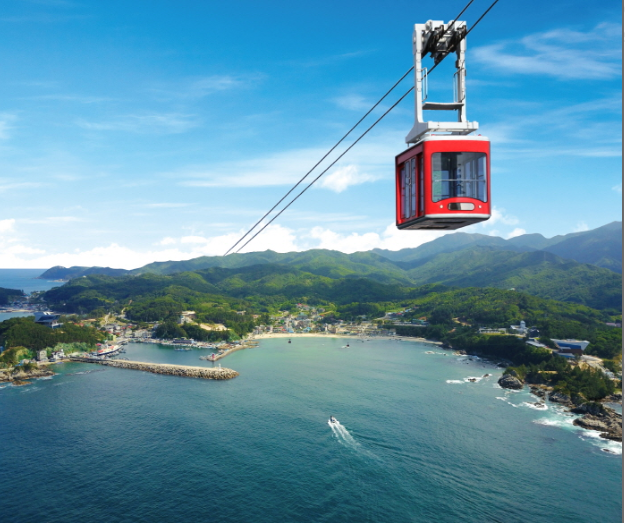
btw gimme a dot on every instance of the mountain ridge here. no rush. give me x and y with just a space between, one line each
460 260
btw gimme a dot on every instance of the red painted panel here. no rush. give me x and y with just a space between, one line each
428 148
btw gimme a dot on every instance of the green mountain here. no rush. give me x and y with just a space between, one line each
602 247
235 296
260 286
67 273
6 295
580 267
538 273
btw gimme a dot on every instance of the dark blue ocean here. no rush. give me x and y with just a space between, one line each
416 442
26 280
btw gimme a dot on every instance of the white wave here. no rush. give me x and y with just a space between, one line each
508 402
472 379
559 421
454 381
536 406
606 445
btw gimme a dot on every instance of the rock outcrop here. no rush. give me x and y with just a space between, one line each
617 397
601 418
508 381
538 391
18 375
560 397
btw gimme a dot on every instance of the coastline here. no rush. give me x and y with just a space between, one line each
266 336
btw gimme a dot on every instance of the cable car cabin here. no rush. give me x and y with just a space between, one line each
443 182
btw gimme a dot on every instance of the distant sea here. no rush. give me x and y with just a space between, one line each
417 442
26 280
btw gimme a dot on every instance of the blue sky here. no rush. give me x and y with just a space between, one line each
139 131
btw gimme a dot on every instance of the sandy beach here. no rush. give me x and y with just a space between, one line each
348 336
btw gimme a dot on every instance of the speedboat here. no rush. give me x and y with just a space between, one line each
333 420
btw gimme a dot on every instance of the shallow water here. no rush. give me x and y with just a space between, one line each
416 442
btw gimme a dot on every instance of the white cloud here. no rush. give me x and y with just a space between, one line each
498 215
285 168
618 188
581 227
7 225
193 239
562 53
344 177
516 232
391 238
167 241
276 238
154 123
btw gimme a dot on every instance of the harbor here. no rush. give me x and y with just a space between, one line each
226 349
214 373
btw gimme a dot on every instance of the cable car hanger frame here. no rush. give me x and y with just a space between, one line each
443 180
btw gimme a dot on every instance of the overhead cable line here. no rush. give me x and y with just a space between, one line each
323 158
357 140
337 143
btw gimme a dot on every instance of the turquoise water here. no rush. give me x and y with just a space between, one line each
416 442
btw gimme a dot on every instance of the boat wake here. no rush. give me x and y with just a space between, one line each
343 435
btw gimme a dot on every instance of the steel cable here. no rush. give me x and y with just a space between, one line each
356 141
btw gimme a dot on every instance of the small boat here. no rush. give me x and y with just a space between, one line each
333 420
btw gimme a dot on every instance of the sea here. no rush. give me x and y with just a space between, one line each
26 280
423 436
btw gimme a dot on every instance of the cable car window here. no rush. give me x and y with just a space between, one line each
408 188
421 187
459 175
413 187
402 176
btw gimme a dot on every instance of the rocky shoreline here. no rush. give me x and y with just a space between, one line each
18 376
594 415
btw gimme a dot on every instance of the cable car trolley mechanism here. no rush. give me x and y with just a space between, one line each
443 180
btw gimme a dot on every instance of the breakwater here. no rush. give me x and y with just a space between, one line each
162 368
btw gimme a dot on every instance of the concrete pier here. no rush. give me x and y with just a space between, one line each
165 368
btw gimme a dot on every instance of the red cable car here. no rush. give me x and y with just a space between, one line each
443 182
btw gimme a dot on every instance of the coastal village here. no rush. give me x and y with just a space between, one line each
301 320
305 320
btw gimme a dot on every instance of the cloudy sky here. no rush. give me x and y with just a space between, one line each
154 130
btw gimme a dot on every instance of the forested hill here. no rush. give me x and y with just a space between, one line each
235 296
266 288
6 295
528 263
